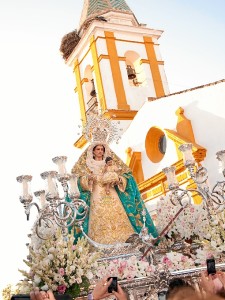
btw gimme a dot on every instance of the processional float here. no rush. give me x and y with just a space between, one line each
55 211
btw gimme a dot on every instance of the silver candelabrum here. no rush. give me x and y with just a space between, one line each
213 199
54 211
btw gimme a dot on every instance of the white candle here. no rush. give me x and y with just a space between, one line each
186 149
73 184
25 188
220 155
42 200
170 174
61 167
60 162
51 185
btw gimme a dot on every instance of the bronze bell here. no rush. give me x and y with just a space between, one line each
93 92
131 72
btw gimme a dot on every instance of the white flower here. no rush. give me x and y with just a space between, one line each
37 279
52 250
51 257
78 280
45 287
89 275
213 244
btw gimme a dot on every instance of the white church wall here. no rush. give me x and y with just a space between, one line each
206 110
164 79
98 31
86 60
157 51
107 81
101 46
149 81
128 36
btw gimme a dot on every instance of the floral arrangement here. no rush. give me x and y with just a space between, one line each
177 261
192 223
129 268
60 265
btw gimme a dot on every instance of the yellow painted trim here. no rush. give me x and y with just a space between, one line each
80 142
146 61
104 56
184 126
129 155
101 94
149 46
136 166
84 80
121 114
80 91
152 144
116 73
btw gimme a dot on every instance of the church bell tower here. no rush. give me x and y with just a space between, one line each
115 59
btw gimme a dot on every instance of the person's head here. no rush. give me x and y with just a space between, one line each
181 293
98 152
109 160
178 286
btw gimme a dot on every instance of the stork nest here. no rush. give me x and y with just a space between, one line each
68 43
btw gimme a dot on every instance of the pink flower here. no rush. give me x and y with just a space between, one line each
130 276
61 289
149 269
131 268
115 261
183 258
120 270
74 247
61 271
123 264
165 259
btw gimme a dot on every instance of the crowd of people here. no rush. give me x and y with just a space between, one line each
209 287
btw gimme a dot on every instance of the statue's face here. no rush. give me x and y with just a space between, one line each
110 163
98 152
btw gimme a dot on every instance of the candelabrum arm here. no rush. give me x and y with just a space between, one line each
28 208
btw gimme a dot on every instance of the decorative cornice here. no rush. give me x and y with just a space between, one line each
120 114
199 152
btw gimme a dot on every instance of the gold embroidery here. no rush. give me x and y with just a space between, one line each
108 221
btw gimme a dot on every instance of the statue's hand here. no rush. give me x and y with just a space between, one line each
92 178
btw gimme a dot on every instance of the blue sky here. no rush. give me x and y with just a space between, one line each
38 105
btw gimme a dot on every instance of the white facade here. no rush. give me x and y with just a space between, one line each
203 106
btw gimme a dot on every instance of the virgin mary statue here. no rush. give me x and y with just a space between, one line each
116 213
